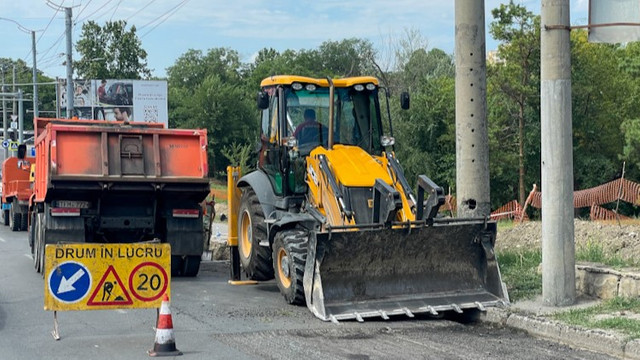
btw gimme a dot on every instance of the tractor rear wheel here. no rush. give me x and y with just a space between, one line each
254 258
289 258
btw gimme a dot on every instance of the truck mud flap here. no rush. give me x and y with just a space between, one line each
385 272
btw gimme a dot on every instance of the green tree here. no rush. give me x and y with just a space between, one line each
206 91
46 93
515 78
111 52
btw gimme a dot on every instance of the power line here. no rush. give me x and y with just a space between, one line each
93 13
83 9
47 27
57 42
138 12
168 14
116 9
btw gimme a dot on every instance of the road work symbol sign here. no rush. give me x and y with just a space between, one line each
106 276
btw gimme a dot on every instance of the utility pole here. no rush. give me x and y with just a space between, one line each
35 75
68 23
558 248
472 139
20 118
15 102
4 113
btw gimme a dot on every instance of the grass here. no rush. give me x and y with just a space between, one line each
616 308
519 271
593 251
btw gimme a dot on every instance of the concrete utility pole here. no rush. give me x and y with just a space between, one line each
558 248
35 75
20 118
4 113
472 144
13 89
68 23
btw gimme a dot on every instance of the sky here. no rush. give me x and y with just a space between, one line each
168 28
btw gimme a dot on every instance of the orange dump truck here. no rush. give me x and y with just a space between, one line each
114 182
16 191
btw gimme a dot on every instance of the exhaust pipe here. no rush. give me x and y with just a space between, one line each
331 110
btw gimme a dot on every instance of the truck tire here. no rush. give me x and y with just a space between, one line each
191 265
177 265
41 220
24 222
31 233
5 217
15 219
255 259
289 258
36 244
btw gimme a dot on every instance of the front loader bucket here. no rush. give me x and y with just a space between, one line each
383 272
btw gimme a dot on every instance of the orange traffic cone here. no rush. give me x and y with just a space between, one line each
165 344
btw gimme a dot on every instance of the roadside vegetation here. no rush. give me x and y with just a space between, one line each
620 314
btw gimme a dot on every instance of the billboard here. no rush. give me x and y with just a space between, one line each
117 100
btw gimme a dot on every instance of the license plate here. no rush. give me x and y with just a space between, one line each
72 204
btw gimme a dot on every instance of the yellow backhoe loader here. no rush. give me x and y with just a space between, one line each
330 214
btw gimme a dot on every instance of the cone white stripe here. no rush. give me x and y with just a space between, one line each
164 336
164 309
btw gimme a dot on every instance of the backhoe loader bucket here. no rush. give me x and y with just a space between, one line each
359 273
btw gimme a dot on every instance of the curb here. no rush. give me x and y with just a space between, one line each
595 340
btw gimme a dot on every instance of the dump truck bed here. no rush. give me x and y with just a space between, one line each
94 153
15 179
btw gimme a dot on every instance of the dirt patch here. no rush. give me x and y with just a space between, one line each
622 241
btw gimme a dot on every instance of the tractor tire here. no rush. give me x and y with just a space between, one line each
255 259
5 217
289 258
191 265
15 219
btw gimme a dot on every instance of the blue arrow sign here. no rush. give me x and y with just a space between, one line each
5 144
69 282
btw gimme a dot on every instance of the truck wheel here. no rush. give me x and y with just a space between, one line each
177 265
191 265
31 232
40 234
255 259
24 222
5 217
14 219
36 243
289 258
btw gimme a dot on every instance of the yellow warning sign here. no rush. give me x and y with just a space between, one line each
106 276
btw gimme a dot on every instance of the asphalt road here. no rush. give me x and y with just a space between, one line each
214 320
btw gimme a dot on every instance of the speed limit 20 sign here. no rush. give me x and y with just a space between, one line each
106 276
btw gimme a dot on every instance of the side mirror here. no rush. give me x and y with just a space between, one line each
263 100
405 100
22 151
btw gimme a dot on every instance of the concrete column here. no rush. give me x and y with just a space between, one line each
472 145
68 23
35 75
558 250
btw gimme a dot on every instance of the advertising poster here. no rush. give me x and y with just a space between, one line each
117 100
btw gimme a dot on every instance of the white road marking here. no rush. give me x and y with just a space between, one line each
2 240
121 311
29 256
